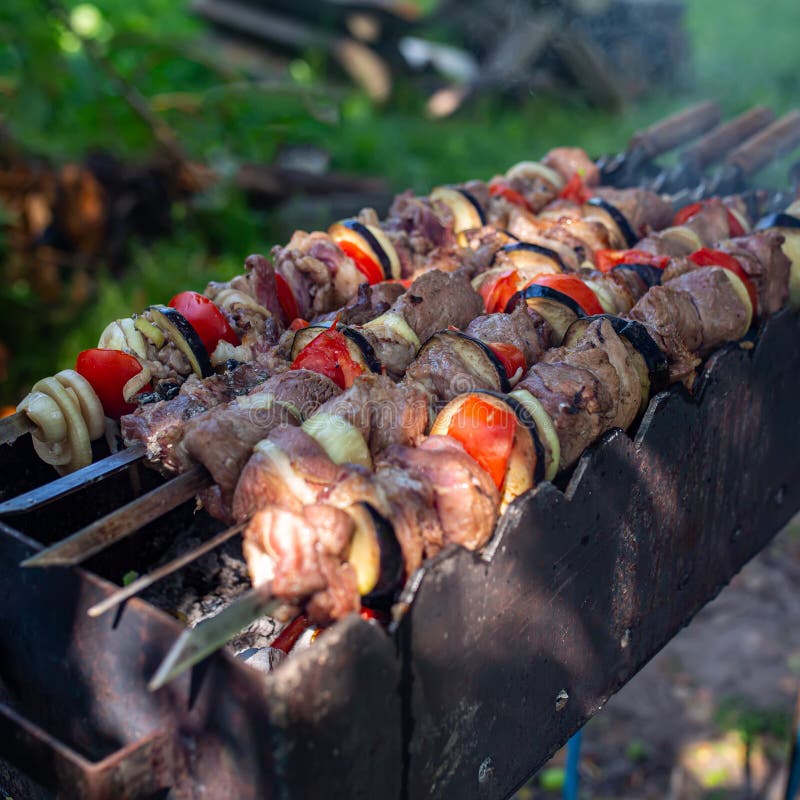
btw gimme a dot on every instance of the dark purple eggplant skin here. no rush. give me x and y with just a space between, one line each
364 346
534 248
544 291
502 375
656 361
474 201
366 235
185 329
624 226
392 566
779 220
647 272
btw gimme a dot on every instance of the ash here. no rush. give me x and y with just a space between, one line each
207 585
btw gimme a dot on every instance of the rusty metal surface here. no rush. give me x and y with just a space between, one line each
74 692
498 661
505 658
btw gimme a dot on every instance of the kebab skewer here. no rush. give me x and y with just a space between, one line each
207 318
438 346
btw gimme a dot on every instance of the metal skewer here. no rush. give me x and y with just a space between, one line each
14 426
122 522
195 644
86 476
145 581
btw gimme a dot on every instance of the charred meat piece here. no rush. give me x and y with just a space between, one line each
370 302
289 469
465 497
223 438
160 425
382 411
436 300
569 161
303 554
519 328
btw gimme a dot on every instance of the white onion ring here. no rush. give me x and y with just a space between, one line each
44 412
80 451
228 298
135 384
88 401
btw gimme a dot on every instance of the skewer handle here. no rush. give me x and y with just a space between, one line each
776 140
713 146
676 129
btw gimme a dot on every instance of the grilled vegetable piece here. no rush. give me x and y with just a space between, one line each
500 434
341 354
466 210
206 319
556 308
573 287
478 356
651 364
527 256
109 372
618 219
374 553
369 247
183 335
342 441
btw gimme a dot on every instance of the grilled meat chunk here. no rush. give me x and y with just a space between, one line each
569 161
465 497
288 469
723 315
644 210
222 439
303 555
160 425
518 328
384 412
436 300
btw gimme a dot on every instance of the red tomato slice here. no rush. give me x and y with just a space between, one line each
329 355
365 264
687 212
286 298
706 257
573 287
500 188
108 371
734 226
487 433
288 637
512 358
498 290
204 316
575 190
606 260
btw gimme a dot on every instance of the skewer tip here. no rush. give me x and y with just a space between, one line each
45 558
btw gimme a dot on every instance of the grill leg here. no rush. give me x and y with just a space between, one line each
571 777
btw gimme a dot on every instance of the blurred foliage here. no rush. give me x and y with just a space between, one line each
57 102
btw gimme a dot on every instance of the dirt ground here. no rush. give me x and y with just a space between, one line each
710 716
